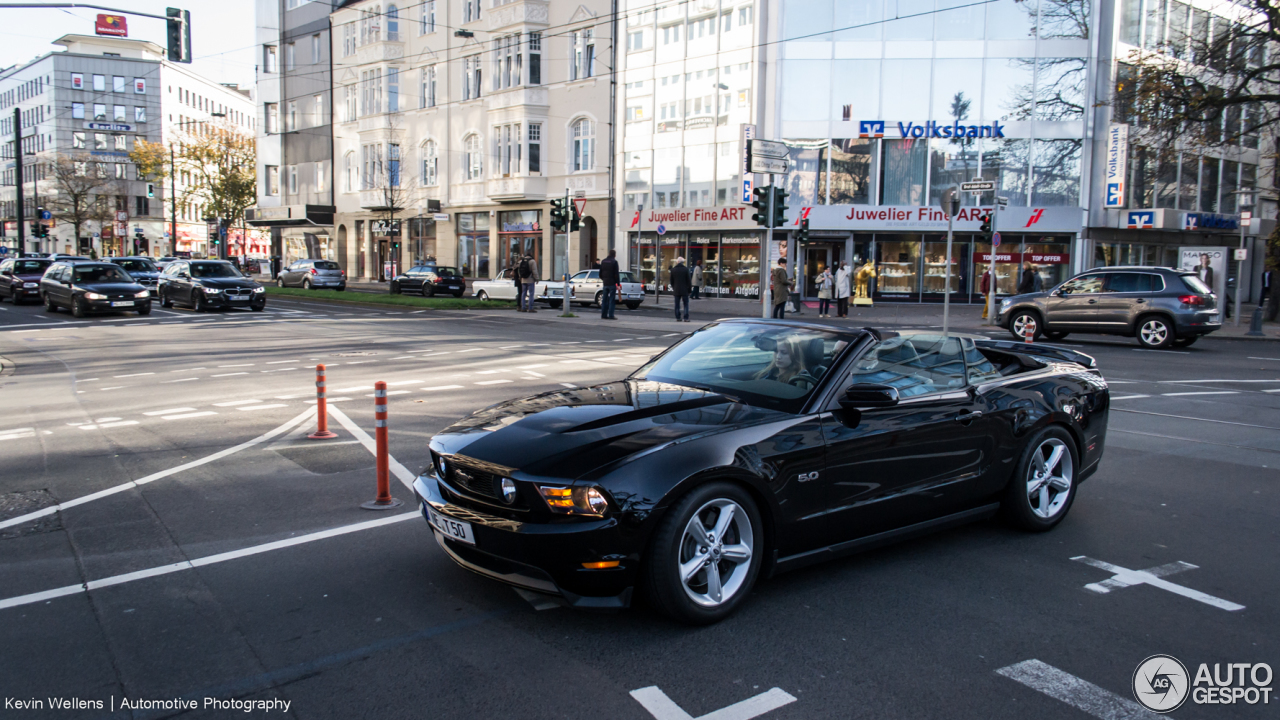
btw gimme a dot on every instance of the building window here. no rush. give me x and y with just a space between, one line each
635 41
506 149
290 56
315 49
139 114
121 142
428 95
393 165
428 23
584 145
77 140
348 40
474 157
744 16
319 176
349 97
117 83
370 165
272 113
583 56
273 179
507 66
535 58
430 164
671 34
291 116
317 111
141 206
77 111
269 59
99 83
470 10
291 172
393 89
471 77
119 115
99 111
371 91
393 23
348 172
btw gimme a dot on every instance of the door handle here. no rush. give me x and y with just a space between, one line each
1141 300
967 416
1093 302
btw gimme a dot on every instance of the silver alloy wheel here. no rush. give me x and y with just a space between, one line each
713 563
1049 478
1021 323
1154 332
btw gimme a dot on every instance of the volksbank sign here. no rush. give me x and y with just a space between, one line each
931 129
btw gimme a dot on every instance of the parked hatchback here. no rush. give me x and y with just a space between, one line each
588 289
20 278
427 280
88 287
1161 307
313 274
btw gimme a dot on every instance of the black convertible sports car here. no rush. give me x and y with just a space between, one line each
752 447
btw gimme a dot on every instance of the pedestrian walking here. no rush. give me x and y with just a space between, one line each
528 272
1027 280
986 290
697 280
610 279
842 290
681 282
1270 293
515 273
780 288
825 283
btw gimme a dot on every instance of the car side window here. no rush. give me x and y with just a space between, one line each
1157 283
6 267
579 277
593 275
1085 285
914 364
978 369
1126 282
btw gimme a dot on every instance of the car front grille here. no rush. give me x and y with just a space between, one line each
476 482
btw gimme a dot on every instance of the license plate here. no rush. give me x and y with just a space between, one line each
452 529
122 303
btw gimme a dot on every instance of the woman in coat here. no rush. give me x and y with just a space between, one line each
826 284
842 286
697 280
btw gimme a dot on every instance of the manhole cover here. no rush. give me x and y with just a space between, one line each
354 354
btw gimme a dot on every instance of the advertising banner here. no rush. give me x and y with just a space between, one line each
1210 265
1116 165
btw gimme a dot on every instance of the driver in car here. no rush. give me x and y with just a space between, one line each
788 362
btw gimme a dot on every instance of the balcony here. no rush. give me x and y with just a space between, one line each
518 13
518 189
377 199
517 97
376 52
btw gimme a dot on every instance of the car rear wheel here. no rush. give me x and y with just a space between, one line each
599 299
395 288
428 292
482 296
705 554
1043 487
1021 322
458 294
279 282
306 284
48 304
1186 341
1154 332
77 307
633 305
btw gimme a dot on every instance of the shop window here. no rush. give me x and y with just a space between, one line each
897 266
902 176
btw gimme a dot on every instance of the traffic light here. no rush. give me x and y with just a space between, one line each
151 190
802 235
574 218
179 34
36 229
559 215
761 204
779 207
985 228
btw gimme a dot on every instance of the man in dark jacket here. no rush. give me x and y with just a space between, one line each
681 282
1027 281
610 279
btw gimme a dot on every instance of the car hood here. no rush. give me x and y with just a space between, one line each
29 277
226 282
568 433
107 288
143 275
1027 296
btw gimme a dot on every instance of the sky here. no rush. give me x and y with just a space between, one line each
222 33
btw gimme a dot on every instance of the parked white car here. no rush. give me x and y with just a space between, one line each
503 287
588 290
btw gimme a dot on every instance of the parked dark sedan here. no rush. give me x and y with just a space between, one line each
752 447
141 269
90 287
208 284
427 280
20 278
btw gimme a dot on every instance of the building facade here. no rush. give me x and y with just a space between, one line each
881 116
456 123
295 133
90 104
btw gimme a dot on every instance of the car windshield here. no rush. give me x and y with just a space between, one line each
326 265
762 364
101 274
914 364
214 270
27 267
626 277
443 271
1196 285
136 265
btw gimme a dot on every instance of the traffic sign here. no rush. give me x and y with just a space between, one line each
1002 201
581 205
995 240
662 229
1241 253
1246 215
769 165
767 148
978 187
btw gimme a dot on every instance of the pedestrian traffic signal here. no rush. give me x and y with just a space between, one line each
802 235
985 228
779 207
559 215
761 204
179 34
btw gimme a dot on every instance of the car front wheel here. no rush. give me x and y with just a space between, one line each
306 284
165 302
395 288
705 554
279 282
1043 486
1022 322
77 307
199 304
1154 332
482 296
48 304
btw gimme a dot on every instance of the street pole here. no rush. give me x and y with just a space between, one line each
953 207
766 306
1239 275
564 277
991 296
18 180
173 202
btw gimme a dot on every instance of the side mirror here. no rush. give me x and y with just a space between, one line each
869 395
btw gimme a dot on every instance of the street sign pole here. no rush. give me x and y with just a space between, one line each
1244 218
995 232
950 204
766 301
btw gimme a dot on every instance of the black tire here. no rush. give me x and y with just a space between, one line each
49 306
668 546
459 293
426 293
165 302
145 309
306 283
1017 505
554 304
394 288
279 282
599 302
633 305
1055 336
482 296
1020 319
77 307
342 288
197 302
1154 332
259 307
1186 341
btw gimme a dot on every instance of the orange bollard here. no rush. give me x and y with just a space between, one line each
384 501
1029 334
322 409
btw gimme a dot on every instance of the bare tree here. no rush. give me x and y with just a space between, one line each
83 192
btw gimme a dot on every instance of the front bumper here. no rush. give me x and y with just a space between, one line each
543 557
222 299
107 306
24 293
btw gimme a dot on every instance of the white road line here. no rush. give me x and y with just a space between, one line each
87 380
262 407
1277 390
358 433
1214 392
1262 358
538 345
569 385
535 374
237 365
229 374
233 403
429 353
157 476
107 419
1129 397
530 367
290 397
17 436
188 370
184 416
1125 577
166 382
1194 382
357 388
510 347
405 382
490 372
18 430
492 382
404 357
114 387
200 562
1079 694
133 375
441 387
103 426
662 707
595 341
475 349
281 362
280 370
170 411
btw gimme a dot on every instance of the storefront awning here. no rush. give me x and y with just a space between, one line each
291 215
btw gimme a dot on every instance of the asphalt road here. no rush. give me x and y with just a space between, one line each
227 556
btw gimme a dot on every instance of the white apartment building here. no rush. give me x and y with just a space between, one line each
462 119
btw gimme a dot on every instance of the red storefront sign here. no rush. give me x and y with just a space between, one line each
1019 258
114 25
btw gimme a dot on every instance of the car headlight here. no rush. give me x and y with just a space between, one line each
211 290
259 289
143 294
574 501
95 296
1004 305
508 487
30 285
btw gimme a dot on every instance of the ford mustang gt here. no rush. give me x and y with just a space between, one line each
753 447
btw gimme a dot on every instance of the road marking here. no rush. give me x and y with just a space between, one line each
233 403
475 349
510 347
17 435
442 387
1214 392
114 387
429 353
1077 693
664 708
1278 390
1185 417
391 392
102 426
670 335
188 370
535 374
490 372
133 375
595 341
358 432
1262 358
404 357
200 562
170 411
405 382
184 416
492 382
280 370
158 475
569 385
1125 577
352 389
262 407
281 362
237 365
1163 352
229 374
530 367
166 382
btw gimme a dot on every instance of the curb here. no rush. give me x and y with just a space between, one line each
357 303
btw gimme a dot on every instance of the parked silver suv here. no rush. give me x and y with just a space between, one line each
1159 306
